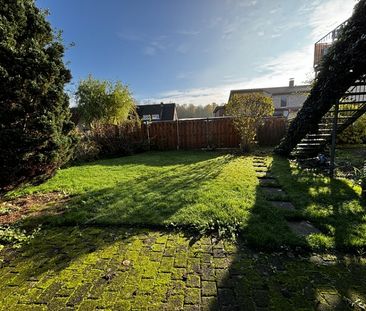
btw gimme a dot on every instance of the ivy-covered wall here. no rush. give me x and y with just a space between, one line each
344 63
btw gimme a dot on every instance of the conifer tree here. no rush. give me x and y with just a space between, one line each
35 128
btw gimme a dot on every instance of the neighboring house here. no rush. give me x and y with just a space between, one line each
219 111
287 100
157 112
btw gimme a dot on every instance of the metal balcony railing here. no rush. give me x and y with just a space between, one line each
321 46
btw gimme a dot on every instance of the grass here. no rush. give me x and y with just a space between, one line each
334 206
207 191
354 154
192 189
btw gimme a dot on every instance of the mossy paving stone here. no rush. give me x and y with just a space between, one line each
259 164
263 174
302 228
273 191
209 288
243 279
268 182
284 205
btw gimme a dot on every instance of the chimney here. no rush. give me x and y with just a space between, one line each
291 82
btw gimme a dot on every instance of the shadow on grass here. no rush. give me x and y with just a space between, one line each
153 199
158 158
333 205
283 280
274 273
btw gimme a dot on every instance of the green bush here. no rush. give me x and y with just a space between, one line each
86 149
354 134
109 140
35 128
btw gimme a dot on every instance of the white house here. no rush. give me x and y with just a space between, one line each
287 100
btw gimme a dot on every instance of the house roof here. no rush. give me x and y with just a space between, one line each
217 108
165 111
282 90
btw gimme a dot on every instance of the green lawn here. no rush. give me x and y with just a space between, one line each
207 191
194 189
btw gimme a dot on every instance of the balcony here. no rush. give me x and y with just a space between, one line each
322 46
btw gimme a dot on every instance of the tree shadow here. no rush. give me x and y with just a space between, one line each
152 199
285 280
332 205
261 273
157 158
272 268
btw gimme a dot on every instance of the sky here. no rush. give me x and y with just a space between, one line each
193 51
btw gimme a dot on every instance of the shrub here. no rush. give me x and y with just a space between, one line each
248 111
107 140
35 127
104 102
87 149
354 134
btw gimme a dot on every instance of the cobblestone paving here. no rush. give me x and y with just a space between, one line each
136 269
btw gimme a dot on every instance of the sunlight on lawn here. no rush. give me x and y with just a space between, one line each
181 188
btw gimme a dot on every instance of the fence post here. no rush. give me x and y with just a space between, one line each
148 134
207 138
178 142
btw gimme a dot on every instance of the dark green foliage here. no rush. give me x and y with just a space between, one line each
101 101
34 115
355 133
109 140
193 111
344 63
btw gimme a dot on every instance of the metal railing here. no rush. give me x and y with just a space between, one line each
321 46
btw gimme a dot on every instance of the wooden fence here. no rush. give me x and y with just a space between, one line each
272 131
207 133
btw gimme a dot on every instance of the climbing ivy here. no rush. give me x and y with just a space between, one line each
344 63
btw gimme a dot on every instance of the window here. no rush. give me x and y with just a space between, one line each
146 117
283 101
155 117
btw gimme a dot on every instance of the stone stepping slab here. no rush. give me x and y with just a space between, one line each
260 164
284 205
263 174
268 182
273 191
302 228
261 169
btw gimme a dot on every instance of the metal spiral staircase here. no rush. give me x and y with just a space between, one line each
350 107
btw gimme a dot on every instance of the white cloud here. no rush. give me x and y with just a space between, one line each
274 11
188 32
248 3
328 15
183 48
130 36
276 35
322 17
149 50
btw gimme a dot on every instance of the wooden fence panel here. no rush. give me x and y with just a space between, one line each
211 132
272 131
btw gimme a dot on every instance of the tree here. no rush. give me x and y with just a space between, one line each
248 111
35 128
193 111
104 101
